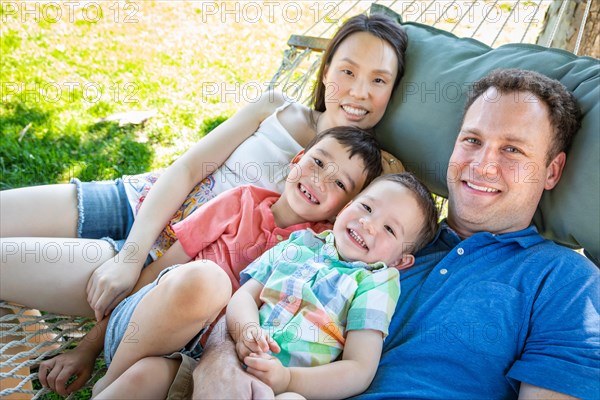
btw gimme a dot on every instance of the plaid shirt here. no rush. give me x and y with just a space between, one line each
311 298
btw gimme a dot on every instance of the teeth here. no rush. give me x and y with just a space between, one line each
354 111
482 188
356 237
308 195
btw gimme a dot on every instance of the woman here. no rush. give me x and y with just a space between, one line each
360 70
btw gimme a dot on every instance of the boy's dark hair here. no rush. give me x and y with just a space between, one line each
378 25
426 204
565 116
358 142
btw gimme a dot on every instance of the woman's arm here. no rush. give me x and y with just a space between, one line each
340 379
56 373
112 281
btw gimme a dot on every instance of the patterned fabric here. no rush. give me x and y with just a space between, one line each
137 188
311 298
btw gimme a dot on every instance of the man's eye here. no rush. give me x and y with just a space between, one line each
319 162
511 149
472 140
340 184
366 207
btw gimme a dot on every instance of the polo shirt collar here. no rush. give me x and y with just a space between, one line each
525 238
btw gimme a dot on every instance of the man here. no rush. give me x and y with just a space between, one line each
490 309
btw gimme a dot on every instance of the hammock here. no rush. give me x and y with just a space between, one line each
492 24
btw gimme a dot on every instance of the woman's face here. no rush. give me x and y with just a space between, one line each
359 81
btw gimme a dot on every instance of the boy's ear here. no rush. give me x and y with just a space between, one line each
406 261
298 157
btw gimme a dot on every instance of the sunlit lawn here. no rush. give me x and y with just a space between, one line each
62 70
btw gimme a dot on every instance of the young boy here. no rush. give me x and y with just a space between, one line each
224 236
317 296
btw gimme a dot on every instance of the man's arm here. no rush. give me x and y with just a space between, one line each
530 392
220 375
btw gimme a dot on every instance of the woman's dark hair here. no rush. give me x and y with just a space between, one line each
377 25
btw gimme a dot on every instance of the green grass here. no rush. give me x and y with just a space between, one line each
61 75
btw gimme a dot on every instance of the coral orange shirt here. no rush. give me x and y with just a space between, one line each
235 228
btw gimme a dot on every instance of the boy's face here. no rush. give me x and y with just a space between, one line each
378 225
323 181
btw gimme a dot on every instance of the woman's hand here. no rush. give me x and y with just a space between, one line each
55 372
391 164
110 283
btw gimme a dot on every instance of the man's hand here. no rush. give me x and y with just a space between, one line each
221 380
269 370
220 375
55 372
110 283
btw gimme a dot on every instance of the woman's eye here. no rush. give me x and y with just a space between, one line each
389 229
340 184
319 162
366 207
379 80
347 71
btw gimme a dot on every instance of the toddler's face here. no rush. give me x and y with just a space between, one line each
324 181
378 225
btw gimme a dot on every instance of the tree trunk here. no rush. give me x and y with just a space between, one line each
568 27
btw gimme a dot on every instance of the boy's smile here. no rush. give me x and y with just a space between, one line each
320 184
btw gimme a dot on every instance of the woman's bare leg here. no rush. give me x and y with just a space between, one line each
48 211
185 300
50 274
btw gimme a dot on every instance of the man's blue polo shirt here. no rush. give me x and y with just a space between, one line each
478 316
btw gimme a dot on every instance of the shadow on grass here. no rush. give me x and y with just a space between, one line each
50 151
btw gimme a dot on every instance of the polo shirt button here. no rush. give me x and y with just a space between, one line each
443 271
279 237
460 251
276 322
291 299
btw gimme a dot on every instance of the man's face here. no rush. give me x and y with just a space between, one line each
498 169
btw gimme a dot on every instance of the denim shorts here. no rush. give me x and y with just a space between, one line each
104 212
119 329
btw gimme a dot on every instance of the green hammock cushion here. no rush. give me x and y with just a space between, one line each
424 117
